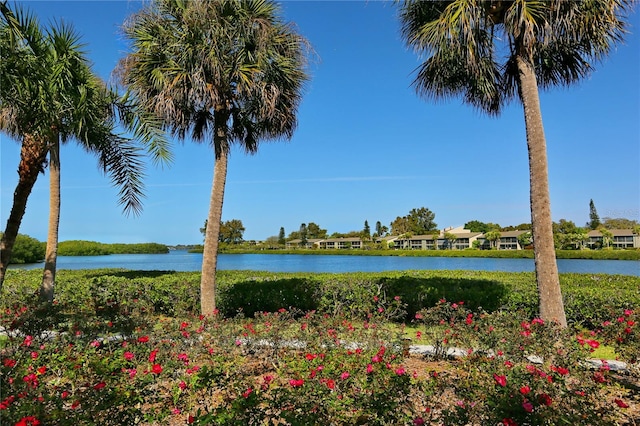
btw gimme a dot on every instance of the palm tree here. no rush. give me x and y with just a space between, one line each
490 51
228 72
493 237
57 98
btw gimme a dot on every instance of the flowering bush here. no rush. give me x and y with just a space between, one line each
130 362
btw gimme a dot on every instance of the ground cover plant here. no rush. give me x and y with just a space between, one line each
127 347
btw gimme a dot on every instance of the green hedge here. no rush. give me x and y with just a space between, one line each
590 299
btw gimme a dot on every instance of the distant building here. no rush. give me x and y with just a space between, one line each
622 238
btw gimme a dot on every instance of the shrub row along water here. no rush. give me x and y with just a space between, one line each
590 299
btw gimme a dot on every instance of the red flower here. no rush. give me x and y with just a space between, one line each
8 362
129 356
143 339
400 371
28 421
509 422
525 390
152 355
501 380
528 407
99 386
42 370
593 343
418 421
331 384
296 383
620 403
545 399
247 392
156 369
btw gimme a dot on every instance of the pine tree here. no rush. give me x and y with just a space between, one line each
594 219
281 239
366 232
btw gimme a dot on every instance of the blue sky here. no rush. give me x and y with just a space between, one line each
366 148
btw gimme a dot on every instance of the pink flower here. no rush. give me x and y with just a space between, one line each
182 385
175 411
296 383
95 344
528 407
129 356
501 380
345 375
369 368
418 421
400 371
247 393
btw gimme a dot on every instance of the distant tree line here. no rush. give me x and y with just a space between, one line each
93 248
27 250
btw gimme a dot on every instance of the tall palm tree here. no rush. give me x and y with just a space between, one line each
55 98
489 52
228 72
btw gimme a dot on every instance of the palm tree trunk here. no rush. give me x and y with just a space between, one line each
548 281
51 255
32 161
212 234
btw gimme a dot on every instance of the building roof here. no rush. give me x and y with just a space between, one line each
614 232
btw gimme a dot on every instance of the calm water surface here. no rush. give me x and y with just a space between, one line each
182 261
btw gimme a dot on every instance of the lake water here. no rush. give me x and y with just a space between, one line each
182 261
